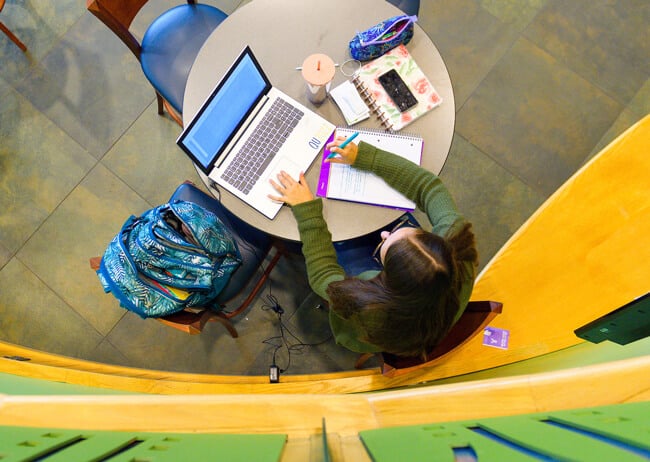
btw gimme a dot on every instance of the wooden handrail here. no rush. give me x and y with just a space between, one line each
300 415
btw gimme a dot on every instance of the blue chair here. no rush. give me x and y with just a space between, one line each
254 247
410 7
169 45
356 255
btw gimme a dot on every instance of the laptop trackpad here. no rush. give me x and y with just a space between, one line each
288 166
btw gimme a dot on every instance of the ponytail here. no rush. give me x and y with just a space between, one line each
410 306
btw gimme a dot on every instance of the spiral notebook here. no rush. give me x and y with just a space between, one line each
343 182
368 86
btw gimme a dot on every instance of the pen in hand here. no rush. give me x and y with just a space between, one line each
344 144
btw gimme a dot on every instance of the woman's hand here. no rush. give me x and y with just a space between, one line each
291 191
347 155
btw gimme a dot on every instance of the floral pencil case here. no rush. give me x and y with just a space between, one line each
380 38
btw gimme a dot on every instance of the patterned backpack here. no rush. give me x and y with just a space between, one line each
174 256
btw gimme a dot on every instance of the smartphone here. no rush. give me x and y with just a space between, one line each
397 90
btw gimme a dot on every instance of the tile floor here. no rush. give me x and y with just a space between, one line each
540 86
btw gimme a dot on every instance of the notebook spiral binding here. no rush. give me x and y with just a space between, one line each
372 104
385 134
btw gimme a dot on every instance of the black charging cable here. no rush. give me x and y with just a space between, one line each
287 339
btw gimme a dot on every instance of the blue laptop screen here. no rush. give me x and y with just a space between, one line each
224 111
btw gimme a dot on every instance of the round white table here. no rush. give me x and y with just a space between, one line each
282 33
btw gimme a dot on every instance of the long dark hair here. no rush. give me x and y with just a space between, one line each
410 306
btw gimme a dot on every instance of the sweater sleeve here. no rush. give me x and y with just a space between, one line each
317 247
418 184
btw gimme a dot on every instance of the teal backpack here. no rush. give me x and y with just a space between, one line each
174 256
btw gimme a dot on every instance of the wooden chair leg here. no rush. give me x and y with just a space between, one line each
172 112
193 328
363 358
12 37
220 318
160 101
257 288
94 262
193 323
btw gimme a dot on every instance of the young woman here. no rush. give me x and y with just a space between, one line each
427 277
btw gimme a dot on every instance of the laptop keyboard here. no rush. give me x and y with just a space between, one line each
257 152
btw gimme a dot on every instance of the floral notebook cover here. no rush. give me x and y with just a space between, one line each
367 83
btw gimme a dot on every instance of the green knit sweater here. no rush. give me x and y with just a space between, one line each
416 183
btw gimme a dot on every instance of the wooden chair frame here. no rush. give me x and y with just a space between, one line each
192 320
10 34
477 315
120 23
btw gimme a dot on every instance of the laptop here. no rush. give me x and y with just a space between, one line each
247 131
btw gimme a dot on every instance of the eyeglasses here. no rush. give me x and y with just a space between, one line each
404 222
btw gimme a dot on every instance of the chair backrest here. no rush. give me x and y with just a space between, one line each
475 318
118 15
